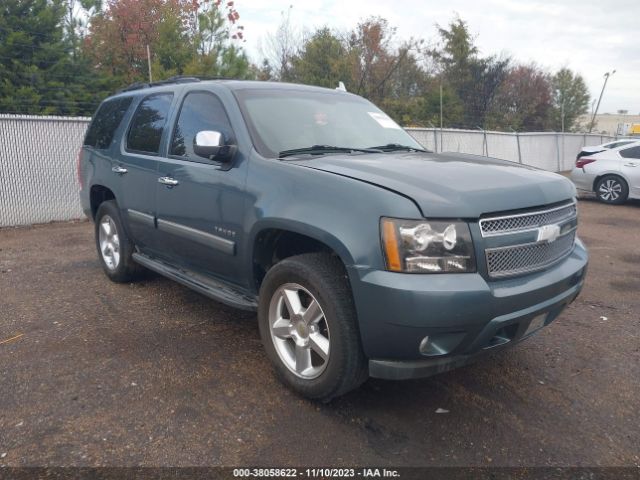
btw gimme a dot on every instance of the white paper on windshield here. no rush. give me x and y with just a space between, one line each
384 120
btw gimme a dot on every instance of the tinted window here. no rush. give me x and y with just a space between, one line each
617 144
633 152
148 122
106 121
200 111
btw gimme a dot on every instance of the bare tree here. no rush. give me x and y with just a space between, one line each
281 47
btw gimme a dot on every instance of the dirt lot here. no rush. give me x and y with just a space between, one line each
154 374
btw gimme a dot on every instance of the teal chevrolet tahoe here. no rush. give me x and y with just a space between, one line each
363 254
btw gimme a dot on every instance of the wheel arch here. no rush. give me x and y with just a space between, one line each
610 173
97 195
275 240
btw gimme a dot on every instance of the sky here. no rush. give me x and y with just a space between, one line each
590 37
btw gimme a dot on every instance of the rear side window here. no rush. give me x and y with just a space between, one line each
633 152
106 121
148 123
200 111
618 144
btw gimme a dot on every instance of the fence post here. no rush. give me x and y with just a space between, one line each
518 143
485 147
563 147
519 151
558 152
486 142
435 136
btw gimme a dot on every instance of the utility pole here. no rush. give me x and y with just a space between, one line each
149 63
606 79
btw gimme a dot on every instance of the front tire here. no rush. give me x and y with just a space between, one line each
308 326
612 189
114 246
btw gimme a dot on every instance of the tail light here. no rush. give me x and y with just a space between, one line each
581 162
79 169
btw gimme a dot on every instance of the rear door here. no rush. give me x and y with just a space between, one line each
200 211
631 168
137 167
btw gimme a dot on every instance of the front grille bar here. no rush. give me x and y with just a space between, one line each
522 222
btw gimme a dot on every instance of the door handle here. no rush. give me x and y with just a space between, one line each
170 182
119 170
631 164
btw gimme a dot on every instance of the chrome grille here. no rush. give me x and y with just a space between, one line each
512 260
526 221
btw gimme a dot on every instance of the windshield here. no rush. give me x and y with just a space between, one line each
280 120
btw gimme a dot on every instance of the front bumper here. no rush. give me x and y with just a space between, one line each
463 314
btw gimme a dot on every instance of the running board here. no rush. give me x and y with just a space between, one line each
214 289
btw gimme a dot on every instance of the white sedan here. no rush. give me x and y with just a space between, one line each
591 149
613 174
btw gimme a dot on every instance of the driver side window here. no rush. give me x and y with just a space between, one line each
200 111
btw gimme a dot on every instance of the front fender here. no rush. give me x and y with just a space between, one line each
341 212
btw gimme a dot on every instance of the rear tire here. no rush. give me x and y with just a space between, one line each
114 246
309 328
612 189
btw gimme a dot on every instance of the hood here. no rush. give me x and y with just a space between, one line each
451 185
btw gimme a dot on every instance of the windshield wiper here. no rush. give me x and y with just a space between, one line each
320 149
395 147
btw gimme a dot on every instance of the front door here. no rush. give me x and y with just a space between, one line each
631 168
200 203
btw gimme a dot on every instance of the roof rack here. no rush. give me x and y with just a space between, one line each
172 80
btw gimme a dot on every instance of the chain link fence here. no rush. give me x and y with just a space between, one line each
38 181
551 151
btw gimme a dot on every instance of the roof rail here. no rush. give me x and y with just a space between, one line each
172 80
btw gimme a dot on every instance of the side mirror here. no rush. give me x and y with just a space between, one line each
211 145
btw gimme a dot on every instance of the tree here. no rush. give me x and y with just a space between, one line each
36 72
570 97
374 60
323 60
523 100
184 37
474 80
77 13
214 35
281 48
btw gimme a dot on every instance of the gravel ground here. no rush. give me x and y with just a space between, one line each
94 373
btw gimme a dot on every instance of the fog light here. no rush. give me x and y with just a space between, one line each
441 344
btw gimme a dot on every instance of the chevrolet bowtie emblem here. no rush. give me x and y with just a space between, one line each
548 233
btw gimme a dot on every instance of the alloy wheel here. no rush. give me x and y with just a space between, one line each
610 190
299 331
109 242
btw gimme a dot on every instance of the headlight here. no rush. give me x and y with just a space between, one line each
424 246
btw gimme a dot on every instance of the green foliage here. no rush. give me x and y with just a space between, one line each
523 100
32 56
183 38
322 61
64 56
474 80
570 97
